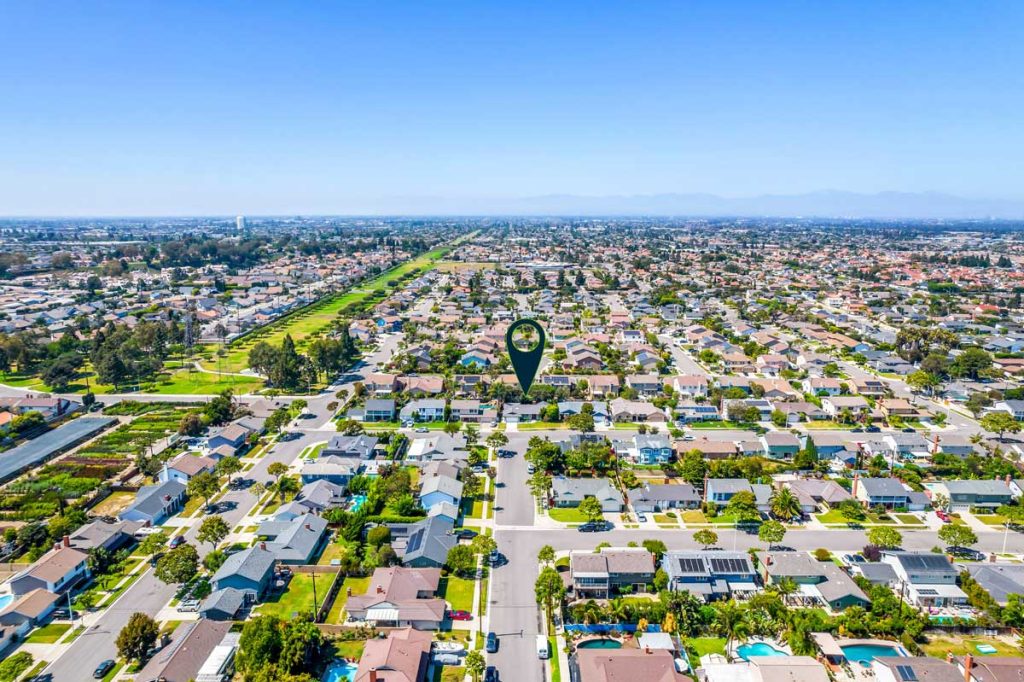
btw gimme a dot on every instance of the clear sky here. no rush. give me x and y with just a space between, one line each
189 106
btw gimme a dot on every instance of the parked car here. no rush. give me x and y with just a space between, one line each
530 468
491 674
176 541
873 429
491 643
102 669
966 553
853 558
595 526
909 430
506 453
189 606
464 533
943 516
640 516
460 615
422 429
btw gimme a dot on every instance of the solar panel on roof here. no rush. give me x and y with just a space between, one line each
691 565
415 540
906 673
728 566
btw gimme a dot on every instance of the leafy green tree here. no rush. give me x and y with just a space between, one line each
214 560
137 637
461 560
743 507
475 664
288 485
178 566
656 547
213 530
886 538
771 533
277 469
153 543
483 544
549 590
1000 422
693 468
259 645
581 422
546 555
706 538
204 485
591 510
228 467
496 440
957 535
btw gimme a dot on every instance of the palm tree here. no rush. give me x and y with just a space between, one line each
785 505
730 621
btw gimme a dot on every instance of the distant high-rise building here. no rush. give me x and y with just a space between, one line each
240 223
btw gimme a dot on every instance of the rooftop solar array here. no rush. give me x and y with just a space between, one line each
729 566
906 673
691 565
415 540
924 561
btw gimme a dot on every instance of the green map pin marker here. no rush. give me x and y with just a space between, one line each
525 362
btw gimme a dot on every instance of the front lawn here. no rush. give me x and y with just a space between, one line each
908 519
541 426
48 634
458 592
567 515
961 646
991 519
694 516
298 596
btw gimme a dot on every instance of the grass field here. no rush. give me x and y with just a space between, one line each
458 592
961 646
298 597
706 645
694 516
358 586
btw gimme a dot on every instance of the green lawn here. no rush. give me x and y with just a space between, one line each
298 597
458 592
541 426
825 424
706 645
48 634
961 646
556 667
358 586
908 519
662 519
454 673
694 516
352 650
567 515
991 519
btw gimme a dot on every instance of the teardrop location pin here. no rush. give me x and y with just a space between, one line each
525 362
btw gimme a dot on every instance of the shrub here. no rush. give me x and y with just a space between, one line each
822 554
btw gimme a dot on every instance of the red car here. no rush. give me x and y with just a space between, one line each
943 516
460 615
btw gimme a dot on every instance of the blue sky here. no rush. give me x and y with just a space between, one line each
188 107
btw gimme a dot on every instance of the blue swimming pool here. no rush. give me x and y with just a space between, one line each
745 651
600 644
865 653
342 671
5 600
357 502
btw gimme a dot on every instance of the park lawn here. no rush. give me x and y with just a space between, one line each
185 382
358 586
567 515
961 646
48 634
458 592
694 516
298 597
706 645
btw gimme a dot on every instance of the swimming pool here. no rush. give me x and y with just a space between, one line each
600 644
745 651
342 671
357 502
865 653
5 600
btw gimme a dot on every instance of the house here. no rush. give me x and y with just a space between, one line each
835 406
990 668
999 580
766 669
186 465
915 669
647 449
875 388
764 408
929 579
320 495
635 411
897 407
59 570
569 492
28 611
816 493
401 657
155 503
376 410
963 495
381 384
516 413
822 386
193 645
615 665
333 469
709 574
691 385
425 543
437 489
709 449
438 447
780 444
225 604
688 412
423 410
109 536
1012 407
400 597
249 571
360 447
233 436
881 492
907 445
647 385
721 490
296 540
471 411
600 575
819 581
568 408
653 497
421 385
51 408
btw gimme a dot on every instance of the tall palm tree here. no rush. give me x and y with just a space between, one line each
730 621
785 505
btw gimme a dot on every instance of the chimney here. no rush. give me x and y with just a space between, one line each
1007 479
67 540
968 666
308 527
56 546
647 649
380 589
373 675
263 546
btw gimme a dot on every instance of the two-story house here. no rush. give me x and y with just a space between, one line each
600 575
927 579
710 574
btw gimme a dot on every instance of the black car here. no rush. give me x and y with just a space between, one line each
506 453
909 430
491 644
874 429
464 533
966 553
491 674
102 669
595 527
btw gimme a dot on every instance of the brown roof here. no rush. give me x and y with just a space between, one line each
627 665
33 604
402 657
56 564
996 669
399 587
190 465
612 560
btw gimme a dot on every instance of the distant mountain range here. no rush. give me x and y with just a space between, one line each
831 204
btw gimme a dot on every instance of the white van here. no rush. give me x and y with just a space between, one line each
542 647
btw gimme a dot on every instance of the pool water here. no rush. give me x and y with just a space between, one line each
745 651
357 502
856 653
5 600
341 672
600 644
